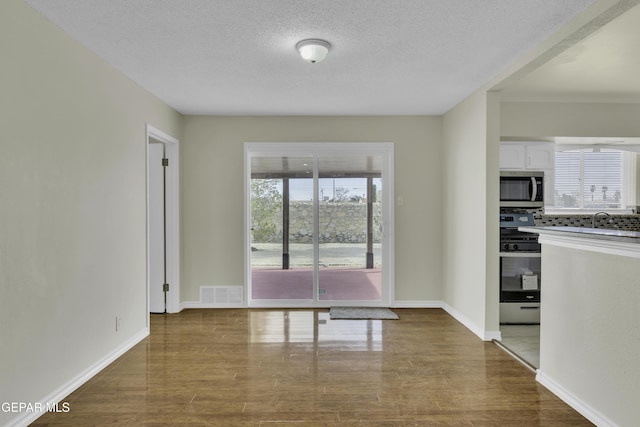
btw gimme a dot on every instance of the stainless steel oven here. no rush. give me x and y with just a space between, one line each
520 272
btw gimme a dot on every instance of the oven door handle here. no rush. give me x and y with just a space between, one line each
520 254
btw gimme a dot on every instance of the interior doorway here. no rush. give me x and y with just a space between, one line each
163 274
318 221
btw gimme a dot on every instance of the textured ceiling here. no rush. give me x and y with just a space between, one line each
237 56
604 67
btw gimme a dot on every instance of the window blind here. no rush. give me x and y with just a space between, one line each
589 179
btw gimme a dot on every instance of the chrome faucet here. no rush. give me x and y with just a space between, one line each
593 218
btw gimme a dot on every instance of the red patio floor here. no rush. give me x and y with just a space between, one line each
337 284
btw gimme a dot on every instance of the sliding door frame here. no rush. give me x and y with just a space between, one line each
297 149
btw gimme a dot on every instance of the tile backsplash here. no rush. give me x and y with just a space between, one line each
618 222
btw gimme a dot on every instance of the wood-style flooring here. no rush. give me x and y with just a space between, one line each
254 367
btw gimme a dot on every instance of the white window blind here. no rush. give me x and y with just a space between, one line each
589 179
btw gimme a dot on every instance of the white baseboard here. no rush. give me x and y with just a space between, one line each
570 399
484 335
58 395
198 304
417 304
463 319
492 335
481 333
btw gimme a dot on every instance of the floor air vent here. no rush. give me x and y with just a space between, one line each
221 295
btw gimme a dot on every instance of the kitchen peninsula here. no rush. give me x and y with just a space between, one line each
590 321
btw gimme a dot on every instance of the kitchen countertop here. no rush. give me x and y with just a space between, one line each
590 233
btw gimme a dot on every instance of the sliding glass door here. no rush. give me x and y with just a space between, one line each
349 232
317 221
282 256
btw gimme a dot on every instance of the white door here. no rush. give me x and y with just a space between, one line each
163 219
157 259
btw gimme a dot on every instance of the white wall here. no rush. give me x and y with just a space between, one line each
212 193
590 332
72 191
470 219
548 119
492 304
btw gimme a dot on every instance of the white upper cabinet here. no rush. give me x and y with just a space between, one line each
512 156
540 156
527 156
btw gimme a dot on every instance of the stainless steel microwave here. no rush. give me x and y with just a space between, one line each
521 189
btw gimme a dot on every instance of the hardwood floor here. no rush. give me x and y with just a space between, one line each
239 367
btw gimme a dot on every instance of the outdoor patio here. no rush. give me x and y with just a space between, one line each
342 272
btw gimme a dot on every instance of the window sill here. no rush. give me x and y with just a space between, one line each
583 212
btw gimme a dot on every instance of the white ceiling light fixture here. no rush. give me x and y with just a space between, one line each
313 50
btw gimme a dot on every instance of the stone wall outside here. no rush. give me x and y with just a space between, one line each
342 222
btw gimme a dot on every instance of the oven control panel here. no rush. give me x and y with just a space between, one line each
516 220
520 246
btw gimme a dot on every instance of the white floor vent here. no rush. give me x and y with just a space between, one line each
221 295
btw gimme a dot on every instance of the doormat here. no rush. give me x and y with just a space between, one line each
362 313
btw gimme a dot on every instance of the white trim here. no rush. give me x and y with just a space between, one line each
593 243
173 228
160 135
629 171
492 335
482 334
247 224
316 229
572 400
172 148
388 227
66 389
197 304
302 149
417 304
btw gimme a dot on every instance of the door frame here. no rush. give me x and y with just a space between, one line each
384 149
172 152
